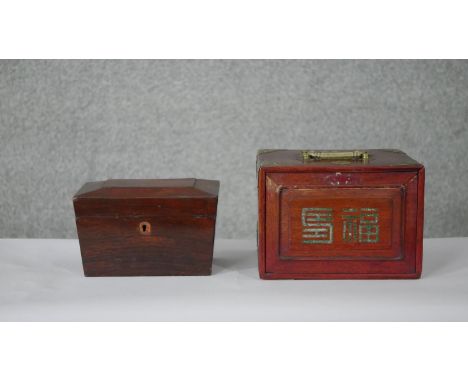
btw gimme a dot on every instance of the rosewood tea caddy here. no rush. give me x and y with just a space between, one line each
339 214
147 227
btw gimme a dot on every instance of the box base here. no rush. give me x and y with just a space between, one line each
147 274
275 276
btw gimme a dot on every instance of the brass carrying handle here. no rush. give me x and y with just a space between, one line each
335 155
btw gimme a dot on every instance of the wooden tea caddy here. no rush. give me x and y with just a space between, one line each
147 227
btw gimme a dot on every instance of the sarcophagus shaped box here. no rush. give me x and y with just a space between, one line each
339 214
147 227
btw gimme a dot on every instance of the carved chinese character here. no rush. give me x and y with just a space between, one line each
362 227
369 225
317 225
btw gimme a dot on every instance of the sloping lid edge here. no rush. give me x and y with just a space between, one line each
149 188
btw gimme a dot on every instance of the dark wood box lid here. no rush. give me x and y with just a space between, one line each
129 197
378 159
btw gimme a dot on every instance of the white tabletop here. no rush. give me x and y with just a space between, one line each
42 280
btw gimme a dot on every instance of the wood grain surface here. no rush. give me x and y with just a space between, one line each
147 227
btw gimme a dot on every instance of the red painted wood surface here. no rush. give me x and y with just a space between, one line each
147 227
390 184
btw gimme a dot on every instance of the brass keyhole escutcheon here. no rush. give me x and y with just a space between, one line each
145 228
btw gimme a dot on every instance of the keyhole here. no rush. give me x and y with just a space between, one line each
145 228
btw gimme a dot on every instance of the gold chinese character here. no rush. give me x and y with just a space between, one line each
362 227
317 225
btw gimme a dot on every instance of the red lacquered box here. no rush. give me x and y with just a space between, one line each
339 214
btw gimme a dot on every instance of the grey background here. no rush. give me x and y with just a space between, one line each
63 123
